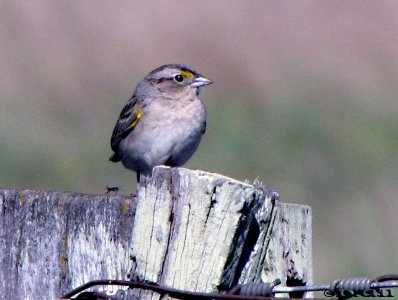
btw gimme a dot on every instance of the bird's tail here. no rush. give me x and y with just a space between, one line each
114 157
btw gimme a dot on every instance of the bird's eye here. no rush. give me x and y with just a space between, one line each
178 78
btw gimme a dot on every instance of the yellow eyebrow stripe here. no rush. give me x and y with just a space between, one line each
187 74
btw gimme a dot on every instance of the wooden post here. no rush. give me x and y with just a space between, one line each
189 230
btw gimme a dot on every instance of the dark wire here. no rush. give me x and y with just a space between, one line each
353 286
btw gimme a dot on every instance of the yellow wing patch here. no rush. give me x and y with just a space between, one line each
187 74
137 118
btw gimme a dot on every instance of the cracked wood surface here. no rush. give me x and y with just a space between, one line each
52 242
186 229
200 231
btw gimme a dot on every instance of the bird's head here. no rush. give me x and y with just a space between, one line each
176 78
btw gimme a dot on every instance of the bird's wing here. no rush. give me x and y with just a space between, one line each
128 119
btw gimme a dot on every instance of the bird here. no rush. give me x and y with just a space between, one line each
163 122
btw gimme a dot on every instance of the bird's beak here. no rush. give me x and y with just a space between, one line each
201 81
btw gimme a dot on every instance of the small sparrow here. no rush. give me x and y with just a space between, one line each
163 122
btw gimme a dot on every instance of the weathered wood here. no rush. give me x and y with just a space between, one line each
186 229
200 231
53 241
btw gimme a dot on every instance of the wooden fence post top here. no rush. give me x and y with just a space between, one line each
186 229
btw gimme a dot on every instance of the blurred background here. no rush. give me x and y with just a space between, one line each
305 99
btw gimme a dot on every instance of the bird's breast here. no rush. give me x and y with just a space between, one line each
165 131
